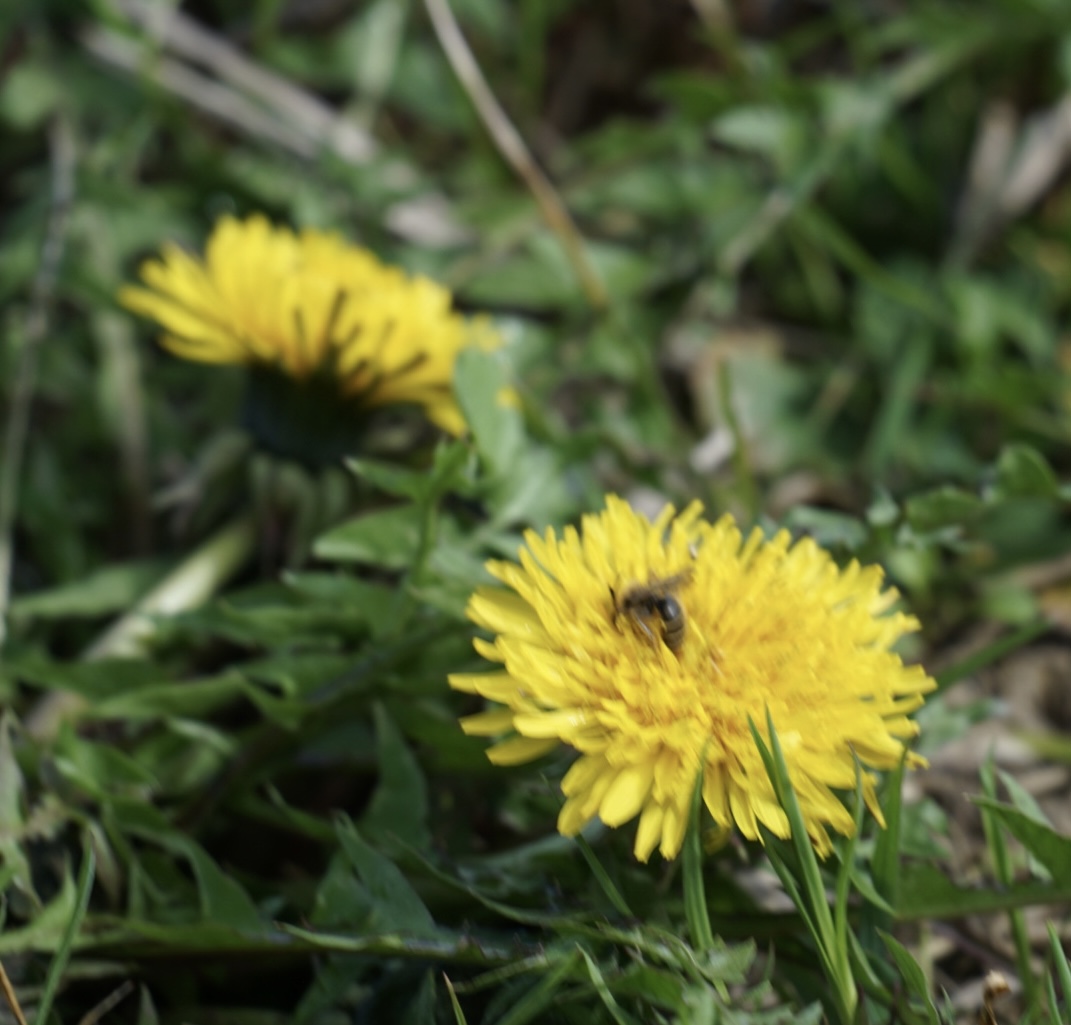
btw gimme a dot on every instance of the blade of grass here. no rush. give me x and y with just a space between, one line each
1052 1002
63 952
842 889
617 1012
998 850
538 1000
695 901
885 863
459 1015
914 978
1061 967
833 953
613 894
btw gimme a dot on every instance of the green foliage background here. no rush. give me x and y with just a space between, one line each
269 813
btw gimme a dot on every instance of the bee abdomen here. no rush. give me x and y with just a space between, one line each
671 613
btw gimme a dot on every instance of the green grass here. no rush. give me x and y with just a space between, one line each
783 247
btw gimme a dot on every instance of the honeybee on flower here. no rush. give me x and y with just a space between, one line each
772 625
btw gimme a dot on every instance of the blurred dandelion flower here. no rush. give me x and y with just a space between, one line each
326 328
768 624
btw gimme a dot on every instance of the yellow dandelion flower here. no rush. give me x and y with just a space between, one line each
311 308
767 624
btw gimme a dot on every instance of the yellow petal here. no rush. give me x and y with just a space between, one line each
626 795
769 627
649 831
553 725
505 613
519 749
674 826
311 304
493 686
487 724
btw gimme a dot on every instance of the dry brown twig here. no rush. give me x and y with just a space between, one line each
93 1016
11 997
202 92
301 118
1015 163
510 144
254 101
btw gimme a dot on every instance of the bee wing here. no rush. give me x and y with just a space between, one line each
667 585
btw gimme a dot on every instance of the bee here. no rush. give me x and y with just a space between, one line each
656 600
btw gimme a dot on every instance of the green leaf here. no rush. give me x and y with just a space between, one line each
774 132
946 506
496 425
12 801
827 527
446 473
92 680
1050 848
192 698
223 901
99 769
387 538
869 966
275 623
1023 472
443 946
363 601
539 276
31 91
397 908
46 930
657 986
1022 798
927 894
300 673
107 591
453 469
399 805
913 976
531 493
222 898
883 511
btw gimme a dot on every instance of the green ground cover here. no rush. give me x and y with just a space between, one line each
806 264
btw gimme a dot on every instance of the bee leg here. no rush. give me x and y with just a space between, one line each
652 636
